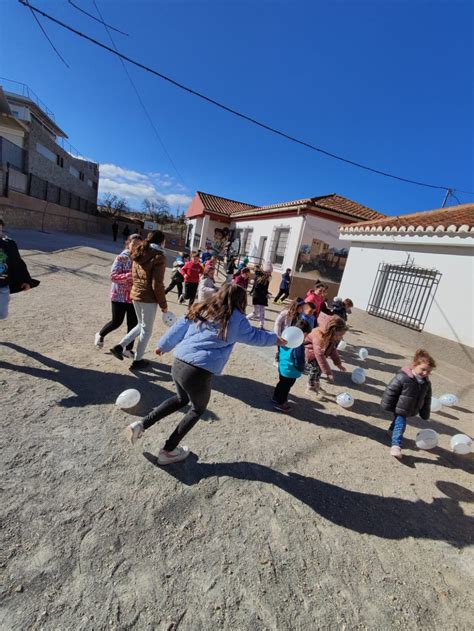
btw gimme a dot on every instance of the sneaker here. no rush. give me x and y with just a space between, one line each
275 363
128 354
168 457
98 341
181 299
134 432
281 407
312 389
117 351
139 363
396 451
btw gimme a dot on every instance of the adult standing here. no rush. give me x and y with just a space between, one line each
148 291
126 232
14 275
122 305
115 228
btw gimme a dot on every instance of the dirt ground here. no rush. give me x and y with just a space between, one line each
276 522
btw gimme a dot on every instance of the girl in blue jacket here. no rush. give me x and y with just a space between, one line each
291 366
204 340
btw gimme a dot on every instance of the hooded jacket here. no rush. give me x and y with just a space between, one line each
406 395
13 270
260 291
148 271
313 345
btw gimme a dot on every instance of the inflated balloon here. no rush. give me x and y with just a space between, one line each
363 353
168 318
436 404
449 400
345 400
294 336
461 444
426 439
358 376
342 345
128 399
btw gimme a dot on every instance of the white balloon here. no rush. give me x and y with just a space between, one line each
363 353
345 400
449 400
358 376
461 444
426 439
294 336
168 318
128 399
342 345
436 404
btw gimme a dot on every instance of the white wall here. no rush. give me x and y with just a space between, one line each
195 226
451 315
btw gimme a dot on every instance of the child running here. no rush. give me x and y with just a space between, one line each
260 297
321 343
309 314
284 290
291 367
191 271
207 286
408 394
242 278
177 277
204 340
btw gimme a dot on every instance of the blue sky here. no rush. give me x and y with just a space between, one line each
388 84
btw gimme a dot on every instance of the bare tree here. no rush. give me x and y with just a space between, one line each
113 205
156 209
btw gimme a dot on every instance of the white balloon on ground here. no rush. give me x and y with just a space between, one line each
426 439
358 375
461 444
436 404
363 353
342 345
294 336
168 318
449 400
345 400
128 399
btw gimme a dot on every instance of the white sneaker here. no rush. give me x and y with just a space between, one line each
98 341
275 363
128 354
168 457
134 432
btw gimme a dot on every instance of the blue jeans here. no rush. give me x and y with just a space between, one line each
4 301
397 428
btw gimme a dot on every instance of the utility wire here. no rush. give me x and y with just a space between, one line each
235 112
47 36
94 18
147 114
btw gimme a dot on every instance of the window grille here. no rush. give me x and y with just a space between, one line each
278 249
403 294
246 240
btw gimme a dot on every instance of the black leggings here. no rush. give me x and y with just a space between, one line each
173 284
281 294
119 310
190 291
192 384
283 388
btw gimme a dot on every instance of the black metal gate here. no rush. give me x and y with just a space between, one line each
403 294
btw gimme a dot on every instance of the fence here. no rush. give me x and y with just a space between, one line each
403 294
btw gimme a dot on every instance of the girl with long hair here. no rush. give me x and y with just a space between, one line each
260 297
204 340
148 291
322 343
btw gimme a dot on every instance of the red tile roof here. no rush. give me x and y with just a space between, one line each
222 205
453 219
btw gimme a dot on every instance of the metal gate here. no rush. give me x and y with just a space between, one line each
403 294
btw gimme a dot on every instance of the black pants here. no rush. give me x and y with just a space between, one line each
281 294
190 291
119 311
282 389
192 384
173 284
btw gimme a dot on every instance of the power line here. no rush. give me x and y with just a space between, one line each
147 114
235 112
47 36
94 18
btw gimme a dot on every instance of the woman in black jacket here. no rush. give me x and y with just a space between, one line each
408 394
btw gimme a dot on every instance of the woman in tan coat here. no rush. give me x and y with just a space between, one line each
148 291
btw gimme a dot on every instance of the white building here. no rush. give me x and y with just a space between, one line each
415 270
301 235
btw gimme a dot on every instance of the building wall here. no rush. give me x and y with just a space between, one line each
12 133
451 315
49 170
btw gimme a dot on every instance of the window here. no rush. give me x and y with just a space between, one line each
81 176
196 241
73 171
278 249
89 182
59 161
246 240
44 151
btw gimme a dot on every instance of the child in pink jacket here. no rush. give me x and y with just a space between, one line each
322 343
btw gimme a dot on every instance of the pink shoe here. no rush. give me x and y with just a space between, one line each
396 451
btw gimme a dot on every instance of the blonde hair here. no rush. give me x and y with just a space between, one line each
336 325
423 357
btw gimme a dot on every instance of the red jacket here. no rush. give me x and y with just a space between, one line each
191 272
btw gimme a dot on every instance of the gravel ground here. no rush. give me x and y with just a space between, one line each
298 521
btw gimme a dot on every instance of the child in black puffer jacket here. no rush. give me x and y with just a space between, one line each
408 394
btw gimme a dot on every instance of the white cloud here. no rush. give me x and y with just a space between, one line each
135 186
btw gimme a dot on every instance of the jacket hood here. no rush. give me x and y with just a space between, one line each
150 253
408 371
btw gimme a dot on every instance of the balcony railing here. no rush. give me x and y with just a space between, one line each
12 154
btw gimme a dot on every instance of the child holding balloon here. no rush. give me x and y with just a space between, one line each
322 343
408 394
204 340
288 317
290 367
